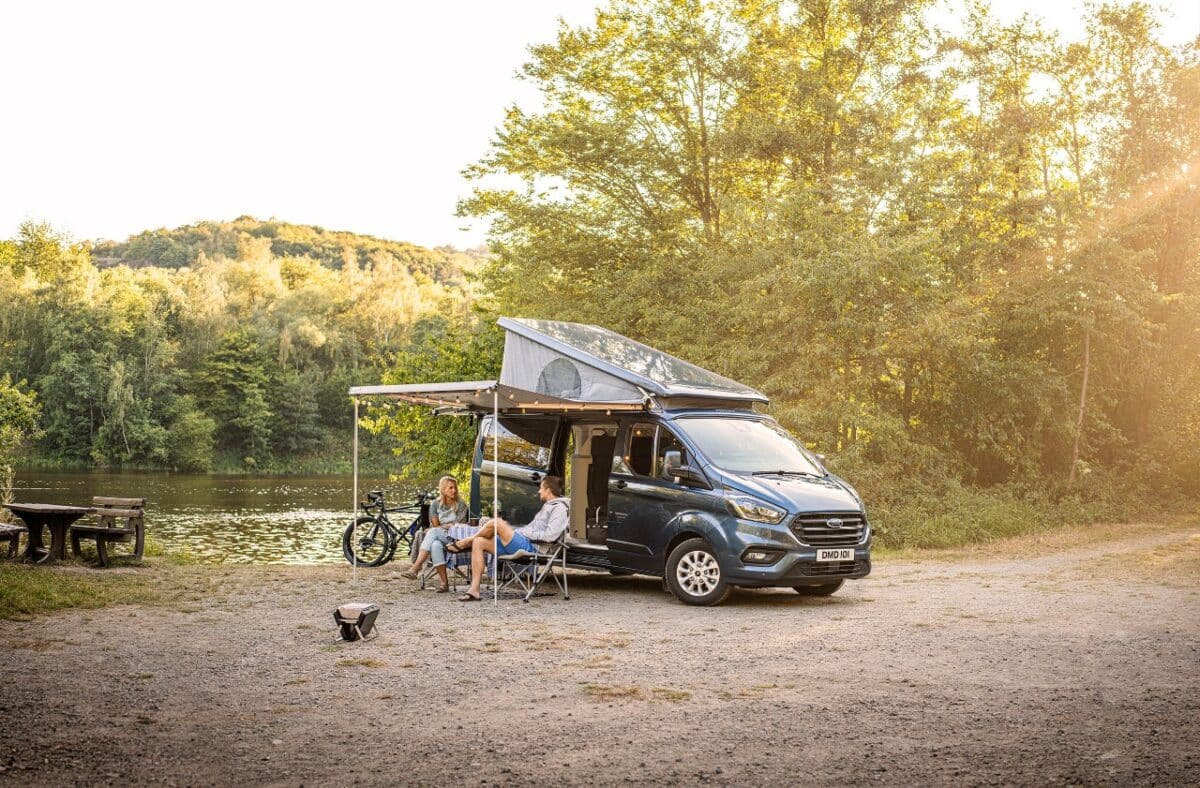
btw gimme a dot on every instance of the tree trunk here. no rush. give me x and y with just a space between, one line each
1087 357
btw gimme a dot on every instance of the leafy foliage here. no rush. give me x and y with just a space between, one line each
966 258
442 349
19 412
241 360
184 246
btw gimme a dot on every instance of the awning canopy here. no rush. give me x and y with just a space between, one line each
476 396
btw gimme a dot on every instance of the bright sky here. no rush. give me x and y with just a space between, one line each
121 116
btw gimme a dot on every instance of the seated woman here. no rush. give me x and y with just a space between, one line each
446 511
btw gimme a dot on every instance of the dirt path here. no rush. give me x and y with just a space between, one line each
1076 667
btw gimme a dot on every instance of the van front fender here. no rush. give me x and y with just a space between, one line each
710 527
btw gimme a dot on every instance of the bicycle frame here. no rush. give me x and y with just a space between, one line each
392 537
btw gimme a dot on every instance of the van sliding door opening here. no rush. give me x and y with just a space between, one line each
589 461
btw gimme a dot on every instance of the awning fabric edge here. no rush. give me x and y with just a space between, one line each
477 397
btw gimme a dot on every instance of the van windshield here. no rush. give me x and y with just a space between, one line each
749 446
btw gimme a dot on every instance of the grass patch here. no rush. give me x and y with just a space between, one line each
757 691
360 662
567 641
27 590
1055 539
611 691
932 510
672 695
1175 564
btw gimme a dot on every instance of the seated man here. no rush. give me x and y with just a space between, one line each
547 525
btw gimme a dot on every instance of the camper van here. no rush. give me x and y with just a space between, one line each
670 470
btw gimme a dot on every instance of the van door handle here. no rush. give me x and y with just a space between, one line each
620 484
535 476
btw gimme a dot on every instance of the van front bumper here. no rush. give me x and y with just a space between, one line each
800 567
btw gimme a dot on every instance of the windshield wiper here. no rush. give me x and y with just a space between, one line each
809 474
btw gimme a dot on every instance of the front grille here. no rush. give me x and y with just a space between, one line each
814 529
834 569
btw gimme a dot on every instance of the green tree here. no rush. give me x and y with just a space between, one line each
442 349
19 413
231 386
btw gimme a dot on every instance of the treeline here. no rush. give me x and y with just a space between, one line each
964 265
236 356
184 246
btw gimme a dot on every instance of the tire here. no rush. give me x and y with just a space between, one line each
694 575
372 550
825 589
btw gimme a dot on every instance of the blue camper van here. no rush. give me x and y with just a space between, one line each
670 470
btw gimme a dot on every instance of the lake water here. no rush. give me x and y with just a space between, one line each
227 519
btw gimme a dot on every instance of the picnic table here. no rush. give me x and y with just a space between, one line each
55 517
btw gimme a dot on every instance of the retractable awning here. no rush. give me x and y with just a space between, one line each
484 396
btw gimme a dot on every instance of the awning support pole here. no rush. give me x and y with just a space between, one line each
495 495
354 505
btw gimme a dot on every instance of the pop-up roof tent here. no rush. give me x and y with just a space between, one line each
557 367
553 366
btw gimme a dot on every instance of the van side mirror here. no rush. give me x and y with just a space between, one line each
673 466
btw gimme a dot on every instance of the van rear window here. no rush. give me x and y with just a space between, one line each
524 443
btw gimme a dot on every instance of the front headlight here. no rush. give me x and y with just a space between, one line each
748 508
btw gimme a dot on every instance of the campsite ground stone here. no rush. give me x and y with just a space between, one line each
984 671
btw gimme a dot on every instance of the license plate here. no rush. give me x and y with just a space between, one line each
835 554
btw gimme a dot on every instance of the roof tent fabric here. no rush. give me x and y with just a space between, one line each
575 361
476 397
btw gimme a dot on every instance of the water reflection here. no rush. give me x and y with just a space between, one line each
227 519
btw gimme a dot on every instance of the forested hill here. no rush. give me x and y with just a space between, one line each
222 345
182 246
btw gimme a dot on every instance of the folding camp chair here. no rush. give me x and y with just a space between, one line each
458 565
528 570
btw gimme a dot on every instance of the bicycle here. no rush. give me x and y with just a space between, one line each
374 534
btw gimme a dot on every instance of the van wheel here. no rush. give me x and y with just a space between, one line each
826 589
694 576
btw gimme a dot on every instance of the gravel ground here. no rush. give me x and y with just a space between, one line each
1072 667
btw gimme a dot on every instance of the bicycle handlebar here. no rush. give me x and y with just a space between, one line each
375 500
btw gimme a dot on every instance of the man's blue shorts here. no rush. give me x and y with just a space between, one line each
519 542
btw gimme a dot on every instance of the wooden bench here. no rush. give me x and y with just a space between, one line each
118 520
11 532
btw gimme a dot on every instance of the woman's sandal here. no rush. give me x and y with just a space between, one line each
443 589
469 597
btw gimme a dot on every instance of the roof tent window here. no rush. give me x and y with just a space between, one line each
560 378
639 359
525 442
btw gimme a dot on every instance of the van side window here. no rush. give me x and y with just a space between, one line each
524 443
668 442
619 465
639 451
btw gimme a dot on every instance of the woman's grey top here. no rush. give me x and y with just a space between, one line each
451 515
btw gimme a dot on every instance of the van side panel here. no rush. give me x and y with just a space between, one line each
645 516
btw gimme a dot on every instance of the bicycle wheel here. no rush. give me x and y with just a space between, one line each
371 545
